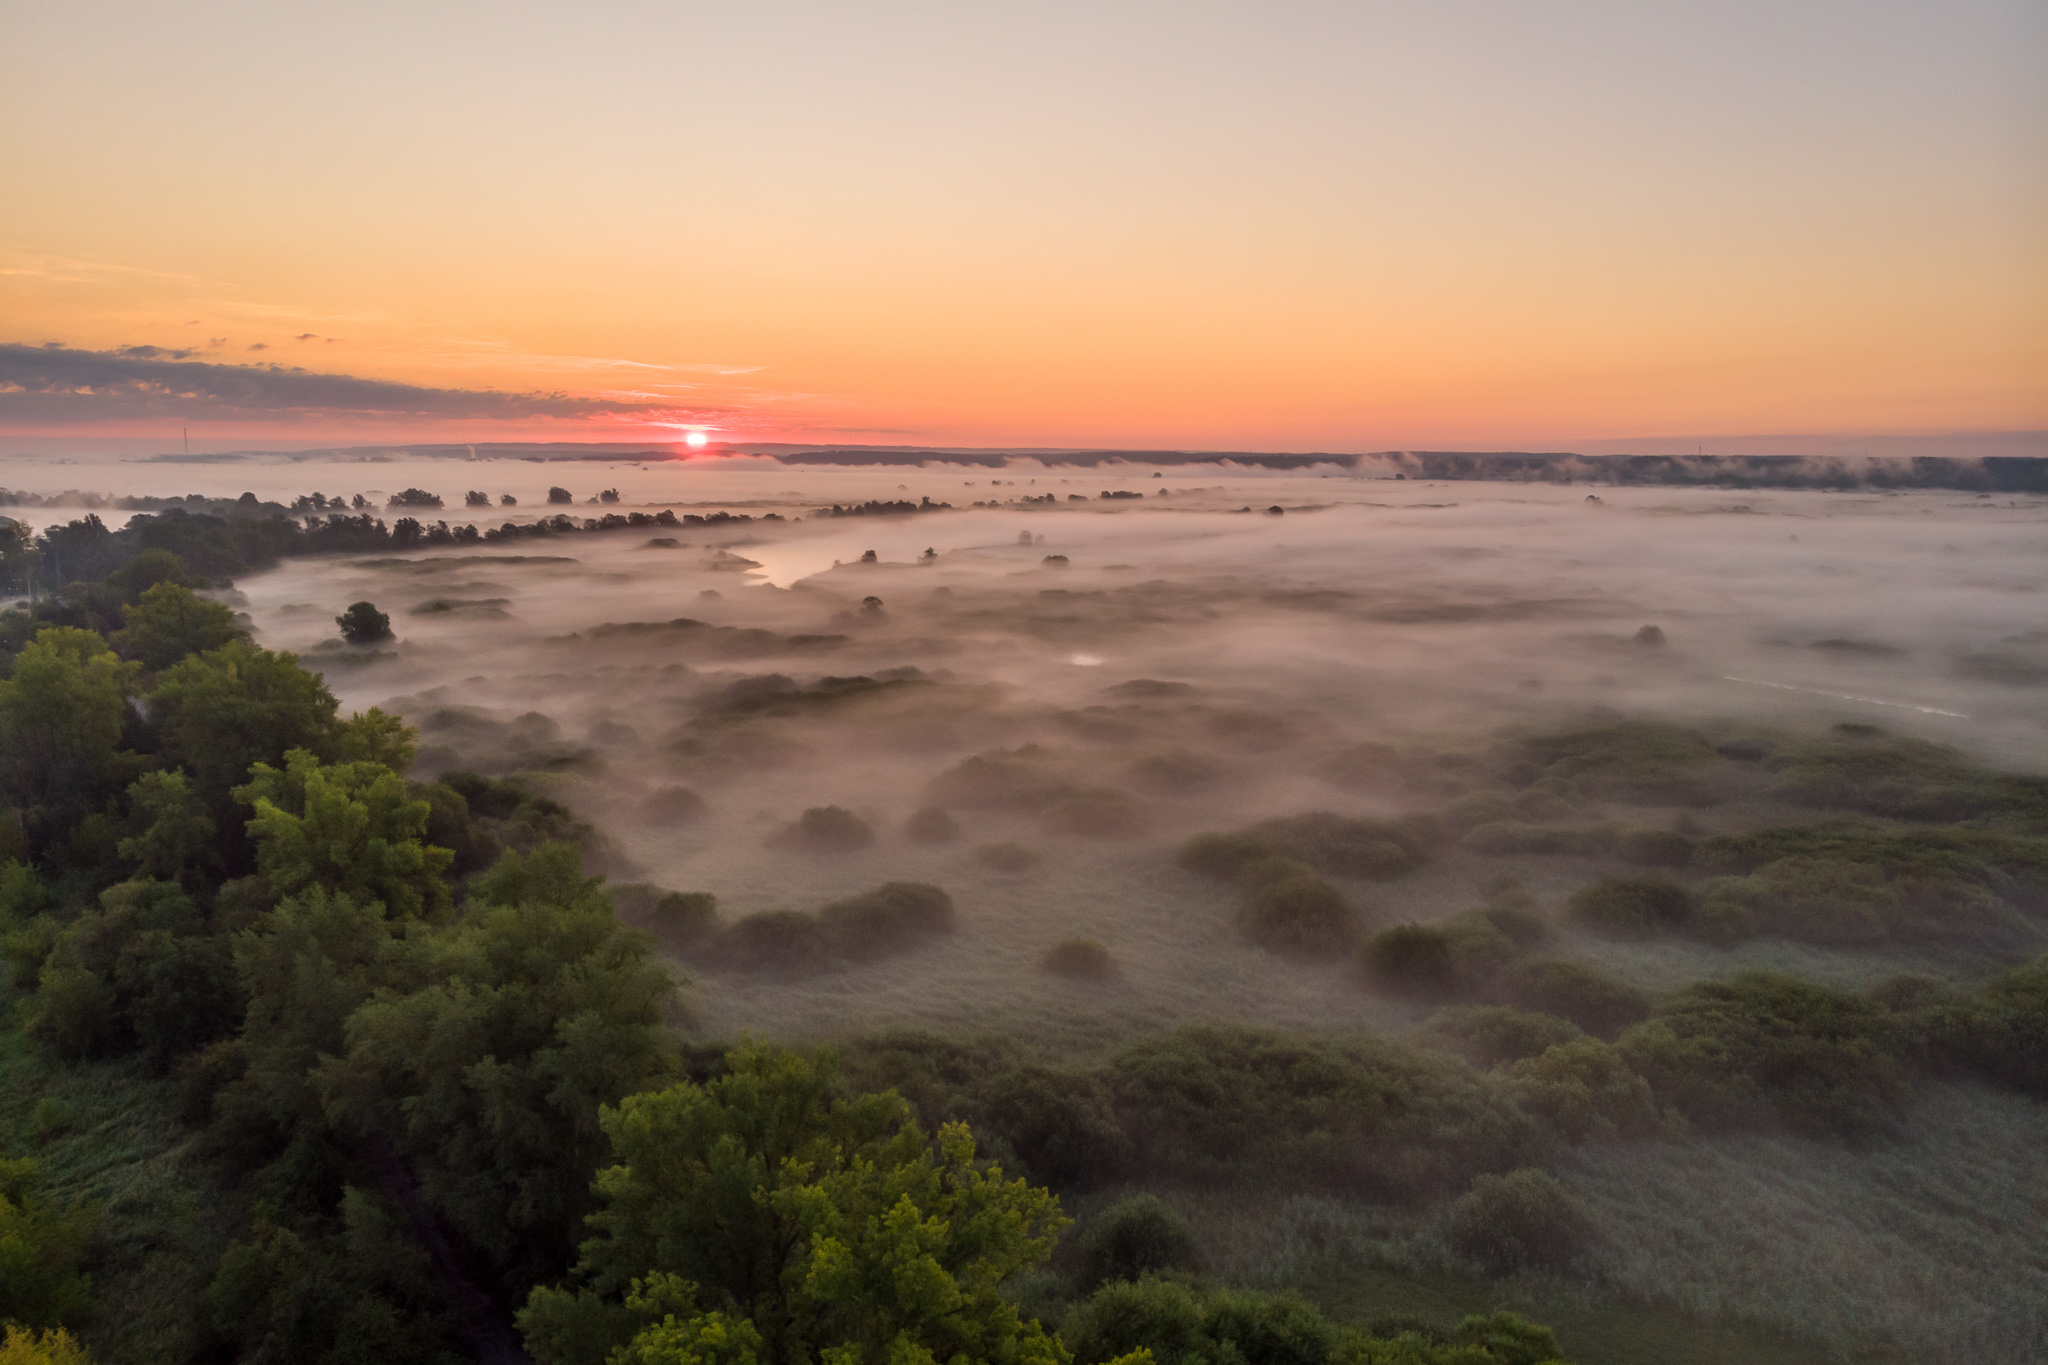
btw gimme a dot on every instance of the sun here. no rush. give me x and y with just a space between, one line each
695 438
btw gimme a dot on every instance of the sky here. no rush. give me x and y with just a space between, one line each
1495 224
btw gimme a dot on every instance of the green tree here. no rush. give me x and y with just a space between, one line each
54 1347
838 1230
354 828
363 624
61 717
219 713
491 1055
170 621
41 1247
177 838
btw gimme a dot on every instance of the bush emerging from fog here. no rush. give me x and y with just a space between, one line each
1299 913
1765 1050
672 806
2004 1034
932 825
1488 1035
787 941
1005 857
1083 959
1519 1221
1358 1113
1637 762
1410 959
1346 847
826 829
363 624
1585 995
679 920
1174 772
1587 1091
1138 1235
888 919
1026 778
1634 907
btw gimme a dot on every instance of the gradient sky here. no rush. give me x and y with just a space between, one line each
1445 223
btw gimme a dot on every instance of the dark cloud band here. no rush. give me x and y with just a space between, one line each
52 383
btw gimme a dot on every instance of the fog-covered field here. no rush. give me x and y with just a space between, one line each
1210 652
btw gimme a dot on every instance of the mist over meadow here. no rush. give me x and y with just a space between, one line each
1089 780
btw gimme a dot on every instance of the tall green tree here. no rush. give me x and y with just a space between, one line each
754 1217
175 841
491 1053
220 713
353 828
169 621
61 719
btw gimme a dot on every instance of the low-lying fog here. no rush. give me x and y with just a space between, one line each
1204 661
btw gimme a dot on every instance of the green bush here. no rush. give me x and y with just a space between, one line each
1764 1050
1346 847
1638 762
1182 1325
931 825
1488 1035
889 919
1587 1092
42 1246
774 941
1411 959
1299 913
1081 958
1588 997
363 624
1634 907
1137 1235
1518 1221
826 829
1363 1113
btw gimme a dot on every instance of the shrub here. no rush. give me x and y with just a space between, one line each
1634 907
1299 913
1638 762
1410 959
1491 1034
672 806
363 624
1771 1050
2004 1033
42 1245
1081 958
1357 1112
1513 914
1587 1091
1059 1126
1345 847
560 495
1025 778
1815 900
1180 1325
1518 1221
890 918
1005 857
826 829
775 941
1137 1235
1589 998
1230 857
932 825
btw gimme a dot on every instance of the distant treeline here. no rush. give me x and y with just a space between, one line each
243 536
1987 473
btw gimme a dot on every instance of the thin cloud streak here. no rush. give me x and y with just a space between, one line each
43 384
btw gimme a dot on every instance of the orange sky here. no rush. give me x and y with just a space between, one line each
1273 226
